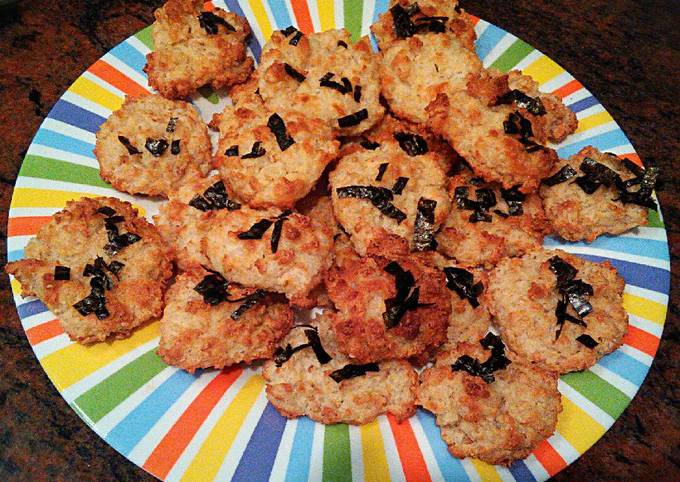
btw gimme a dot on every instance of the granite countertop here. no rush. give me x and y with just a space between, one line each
626 52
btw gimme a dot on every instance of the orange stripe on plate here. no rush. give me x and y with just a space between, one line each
568 88
641 340
633 157
44 331
412 460
26 225
117 79
304 20
549 458
208 6
170 448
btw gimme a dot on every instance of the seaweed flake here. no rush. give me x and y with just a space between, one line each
256 151
278 228
513 198
573 291
517 124
462 282
381 171
357 93
563 175
406 298
278 128
399 185
412 144
132 150
380 197
211 22
587 341
424 227
95 302
232 151
257 230
282 355
248 302
315 343
288 30
344 87
596 175
156 146
352 371
117 241
501 213
533 105
370 145
353 119
106 211
62 273
174 147
342 43
213 288
405 26
172 124
293 73
214 198
496 361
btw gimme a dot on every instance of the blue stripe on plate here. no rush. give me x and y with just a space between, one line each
254 45
258 457
280 11
15 255
583 104
130 56
300 454
488 40
380 8
76 116
648 277
625 366
450 467
55 140
604 141
521 472
31 308
641 247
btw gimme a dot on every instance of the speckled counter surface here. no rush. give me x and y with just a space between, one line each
626 52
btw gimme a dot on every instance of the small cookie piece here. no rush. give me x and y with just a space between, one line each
414 71
273 250
211 323
418 16
194 47
487 223
387 309
303 384
498 422
98 266
577 215
323 75
541 326
391 199
496 141
152 144
271 158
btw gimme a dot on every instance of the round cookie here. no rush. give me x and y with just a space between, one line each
323 75
525 301
271 158
576 215
151 144
497 422
387 309
273 250
380 195
100 256
221 325
303 385
487 223
194 47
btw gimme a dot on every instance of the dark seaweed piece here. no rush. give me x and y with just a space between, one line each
288 30
214 198
357 93
424 227
461 194
486 197
278 128
293 73
344 87
587 341
563 175
532 104
476 181
278 227
380 197
213 288
257 230
352 371
480 216
381 171
232 151
463 283
519 125
561 315
342 43
501 213
95 302
211 22
172 124
496 361
256 151
106 211
596 175
648 181
315 343
282 355
638 171
116 241
412 144
114 267
513 198
296 38
401 19
62 273
132 150
156 146
399 185
353 119
121 241
573 291
248 302
406 298
431 24
174 147
370 145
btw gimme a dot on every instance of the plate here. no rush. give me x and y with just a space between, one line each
218 424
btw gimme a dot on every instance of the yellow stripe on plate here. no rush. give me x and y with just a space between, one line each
577 427
644 308
326 14
96 93
486 472
373 450
16 286
73 363
261 17
29 197
594 121
210 456
543 69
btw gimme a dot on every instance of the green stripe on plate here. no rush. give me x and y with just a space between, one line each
145 37
109 393
337 457
353 12
512 56
209 94
604 395
56 170
654 219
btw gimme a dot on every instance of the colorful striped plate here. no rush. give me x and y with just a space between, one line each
218 425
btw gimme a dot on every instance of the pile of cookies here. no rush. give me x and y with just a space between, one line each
405 192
